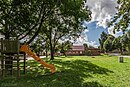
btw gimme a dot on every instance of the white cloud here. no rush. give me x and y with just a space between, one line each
110 30
93 43
117 33
102 10
83 39
86 30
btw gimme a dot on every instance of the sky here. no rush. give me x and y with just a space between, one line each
102 12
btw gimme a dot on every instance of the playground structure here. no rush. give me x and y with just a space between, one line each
11 54
10 57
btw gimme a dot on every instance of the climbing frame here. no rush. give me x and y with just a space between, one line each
10 57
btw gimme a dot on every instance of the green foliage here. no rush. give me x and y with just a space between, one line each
106 42
122 43
65 46
126 40
117 43
102 39
107 45
121 19
17 17
88 52
53 19
22 18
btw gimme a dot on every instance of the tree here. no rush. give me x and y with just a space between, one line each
65 46
107 46
85 46
122 18
102 39
17 17
87 51
65 23
37 45
126 40
117 44
25 18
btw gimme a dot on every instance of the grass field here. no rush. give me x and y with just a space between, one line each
76 71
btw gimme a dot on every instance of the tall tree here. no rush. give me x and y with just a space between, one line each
117 44
24 18
107 45
27 18
17 17
65 22
126 40
128 36
122 18
65 46
102 39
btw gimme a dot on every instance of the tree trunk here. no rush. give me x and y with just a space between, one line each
121 51
38 30
129 48
52 54
46 52
51 50
64 53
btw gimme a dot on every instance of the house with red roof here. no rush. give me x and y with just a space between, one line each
80 50
76 50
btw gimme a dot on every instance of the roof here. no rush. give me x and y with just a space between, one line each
78 48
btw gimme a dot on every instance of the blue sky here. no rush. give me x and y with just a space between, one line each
94 32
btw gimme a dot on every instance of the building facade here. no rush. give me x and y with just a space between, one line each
80 50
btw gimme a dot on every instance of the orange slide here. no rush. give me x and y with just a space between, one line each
25 48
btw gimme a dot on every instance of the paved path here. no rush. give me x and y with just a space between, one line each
117 54
30 58
114 54
124 56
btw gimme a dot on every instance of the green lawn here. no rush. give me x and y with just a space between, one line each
76 71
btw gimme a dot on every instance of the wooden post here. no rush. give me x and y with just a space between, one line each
17 50
2 60
18 69
24 63
2 66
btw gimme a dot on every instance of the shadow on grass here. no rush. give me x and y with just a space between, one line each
69 74
82 66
